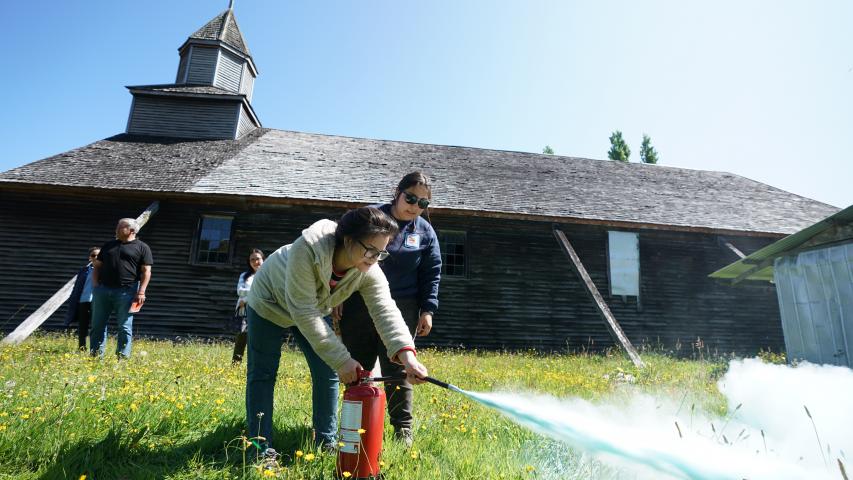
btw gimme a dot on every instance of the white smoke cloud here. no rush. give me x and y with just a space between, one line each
638 435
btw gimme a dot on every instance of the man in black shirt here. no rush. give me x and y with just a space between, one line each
121 275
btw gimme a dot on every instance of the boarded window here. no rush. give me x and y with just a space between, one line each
453 256
624 261
213 244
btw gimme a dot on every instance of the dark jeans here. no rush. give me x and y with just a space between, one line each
264 341
364 344
84 318
239 347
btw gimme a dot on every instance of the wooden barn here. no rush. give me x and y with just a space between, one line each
648 235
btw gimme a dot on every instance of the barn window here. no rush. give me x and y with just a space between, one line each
452 253
624 263
213 243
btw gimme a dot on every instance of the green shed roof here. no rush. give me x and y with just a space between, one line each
759 265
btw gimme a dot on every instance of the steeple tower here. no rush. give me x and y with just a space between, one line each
212 93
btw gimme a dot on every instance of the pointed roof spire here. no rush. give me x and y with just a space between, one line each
223 27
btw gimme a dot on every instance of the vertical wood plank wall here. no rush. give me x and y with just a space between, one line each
519 291
203 119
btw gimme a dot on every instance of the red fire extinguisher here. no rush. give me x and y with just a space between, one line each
362 426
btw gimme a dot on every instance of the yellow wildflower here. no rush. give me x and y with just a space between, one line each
91 378
346 474
309 457
269 473
341 444
361 430
299 453
82 477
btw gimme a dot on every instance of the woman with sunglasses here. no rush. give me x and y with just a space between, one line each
295 290
413 270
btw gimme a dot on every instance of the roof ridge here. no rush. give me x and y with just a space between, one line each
224 26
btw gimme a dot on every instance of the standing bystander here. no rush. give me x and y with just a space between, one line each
80 301
121 275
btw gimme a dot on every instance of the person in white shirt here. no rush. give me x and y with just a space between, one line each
244 284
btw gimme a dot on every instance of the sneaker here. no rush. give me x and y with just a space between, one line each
268 457
404 435
328 448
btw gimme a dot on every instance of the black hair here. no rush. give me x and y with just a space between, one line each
412 179
250 271
363 222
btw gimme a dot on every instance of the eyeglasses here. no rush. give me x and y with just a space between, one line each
372 252
411 199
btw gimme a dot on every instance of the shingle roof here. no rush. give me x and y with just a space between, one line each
303 166
223 27
186 88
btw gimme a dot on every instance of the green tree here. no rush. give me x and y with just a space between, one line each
648 154
618 148
548 150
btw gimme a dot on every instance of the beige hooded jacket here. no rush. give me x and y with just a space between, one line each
292 288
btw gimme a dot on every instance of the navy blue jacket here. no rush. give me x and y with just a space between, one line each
414 267
74 299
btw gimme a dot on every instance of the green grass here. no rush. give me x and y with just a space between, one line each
176 411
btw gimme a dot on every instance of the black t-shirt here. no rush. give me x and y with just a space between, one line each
121 263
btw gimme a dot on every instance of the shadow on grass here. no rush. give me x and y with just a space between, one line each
117 456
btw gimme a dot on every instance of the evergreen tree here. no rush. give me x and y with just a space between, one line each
618 148
548 150
648 154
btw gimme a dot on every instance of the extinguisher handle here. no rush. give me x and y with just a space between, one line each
389 378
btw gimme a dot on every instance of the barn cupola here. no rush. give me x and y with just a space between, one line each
212 94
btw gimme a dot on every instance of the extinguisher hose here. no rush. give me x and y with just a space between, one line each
443 384
397 378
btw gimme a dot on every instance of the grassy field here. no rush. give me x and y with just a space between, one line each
176 411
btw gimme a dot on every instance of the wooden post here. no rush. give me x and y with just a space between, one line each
28 326
597 299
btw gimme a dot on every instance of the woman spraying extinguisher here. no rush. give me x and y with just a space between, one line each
295 288
413 270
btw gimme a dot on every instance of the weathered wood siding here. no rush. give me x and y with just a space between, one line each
183 117
228 71
202 65
247 84
246 125
519 291
182 67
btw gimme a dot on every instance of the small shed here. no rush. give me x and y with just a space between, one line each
813 273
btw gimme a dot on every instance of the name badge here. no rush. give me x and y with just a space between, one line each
413 240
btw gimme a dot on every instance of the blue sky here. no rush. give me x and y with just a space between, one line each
763 89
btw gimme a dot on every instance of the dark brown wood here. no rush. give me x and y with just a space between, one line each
726 243
34 321
515 296
597 299
249 200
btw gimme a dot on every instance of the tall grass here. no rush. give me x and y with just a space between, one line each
176 411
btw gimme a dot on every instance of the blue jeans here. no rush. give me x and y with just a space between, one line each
264 354
106 301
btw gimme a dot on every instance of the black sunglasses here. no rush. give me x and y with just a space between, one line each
372 252
411 199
